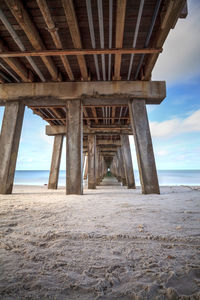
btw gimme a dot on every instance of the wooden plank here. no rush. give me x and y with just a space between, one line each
86 115
79 52
172 12
16 65
24 20
120 19
113 114
94 114
152 91
75 34
54 34
58 115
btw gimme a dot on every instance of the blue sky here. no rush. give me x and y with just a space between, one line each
175 124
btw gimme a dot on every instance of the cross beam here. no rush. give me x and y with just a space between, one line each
59 129
152 91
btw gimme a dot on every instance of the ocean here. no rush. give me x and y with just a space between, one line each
166 177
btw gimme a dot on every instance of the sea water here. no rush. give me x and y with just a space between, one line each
166 177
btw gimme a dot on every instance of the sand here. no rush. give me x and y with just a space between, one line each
110 243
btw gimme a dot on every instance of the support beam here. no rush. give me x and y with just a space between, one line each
16 65
121 166
21 15
9 144
120 20
91 161
152 91
55 162
74 138
144 147
127 159
79 52
60 129
75 34
86 168
54 34
97 156
170 15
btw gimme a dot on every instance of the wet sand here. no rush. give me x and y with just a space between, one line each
110 243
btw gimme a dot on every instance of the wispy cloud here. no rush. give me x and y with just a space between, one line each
180 60
176 126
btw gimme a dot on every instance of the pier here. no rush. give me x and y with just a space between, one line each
85 68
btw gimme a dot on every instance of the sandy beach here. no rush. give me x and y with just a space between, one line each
110 243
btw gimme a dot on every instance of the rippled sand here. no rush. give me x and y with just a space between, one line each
110 243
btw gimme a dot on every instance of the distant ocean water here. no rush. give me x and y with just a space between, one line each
166 177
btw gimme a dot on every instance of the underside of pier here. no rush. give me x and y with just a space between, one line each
85 68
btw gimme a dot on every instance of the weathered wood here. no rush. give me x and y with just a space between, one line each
94 114
113 114
152 91
127 159
54 34
144 147
78 52
107 143
55 162
75 34
172 13
97 156
74 139
24 20
91 161
121 166
16 65
120 20
60 129
9 144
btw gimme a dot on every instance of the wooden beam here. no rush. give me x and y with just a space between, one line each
152 91
94 114
61 129
58 115
170 16
104 143
16 65
86 115
113 114
54 34
24 20
79 52
75 34
120 18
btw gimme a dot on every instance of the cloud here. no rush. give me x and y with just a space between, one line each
180 60
162 153
176 126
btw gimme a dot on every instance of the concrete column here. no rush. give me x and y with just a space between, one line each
9 144
86 168
74 145
91 161
121 166
128 165
55 162
144 147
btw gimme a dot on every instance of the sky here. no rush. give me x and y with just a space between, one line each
174 124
